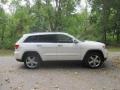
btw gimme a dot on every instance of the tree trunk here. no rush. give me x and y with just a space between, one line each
118 37
2 36
105 16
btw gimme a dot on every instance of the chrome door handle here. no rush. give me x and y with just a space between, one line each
39 45
60 45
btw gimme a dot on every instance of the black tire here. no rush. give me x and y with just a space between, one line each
93 60
32 60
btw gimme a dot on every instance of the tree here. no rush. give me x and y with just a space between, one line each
109 17
3 19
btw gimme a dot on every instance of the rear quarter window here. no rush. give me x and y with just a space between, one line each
32 39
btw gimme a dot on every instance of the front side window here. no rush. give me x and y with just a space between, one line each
64 39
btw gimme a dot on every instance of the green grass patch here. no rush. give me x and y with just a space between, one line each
113 49
4 52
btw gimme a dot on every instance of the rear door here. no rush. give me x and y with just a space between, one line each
47 46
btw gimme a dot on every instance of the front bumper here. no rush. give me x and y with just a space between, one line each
105 59
105 52
19 60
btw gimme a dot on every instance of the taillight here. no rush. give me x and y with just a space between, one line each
16 46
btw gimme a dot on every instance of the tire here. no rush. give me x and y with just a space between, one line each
32 60
93 60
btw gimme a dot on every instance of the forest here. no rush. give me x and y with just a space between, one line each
99 20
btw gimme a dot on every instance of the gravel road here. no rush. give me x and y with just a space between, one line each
60 75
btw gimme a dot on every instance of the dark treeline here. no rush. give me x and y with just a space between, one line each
102 23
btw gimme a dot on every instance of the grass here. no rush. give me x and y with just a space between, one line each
113 49
5 52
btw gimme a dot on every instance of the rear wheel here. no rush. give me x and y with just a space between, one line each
32 60
94 60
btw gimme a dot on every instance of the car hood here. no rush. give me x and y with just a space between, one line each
92 43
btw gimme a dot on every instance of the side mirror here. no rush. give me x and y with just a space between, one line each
75 41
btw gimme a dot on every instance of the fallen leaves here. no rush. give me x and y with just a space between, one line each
57 87
76 73
7 80
1 84
116 61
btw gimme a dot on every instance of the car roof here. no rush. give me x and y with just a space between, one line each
43 33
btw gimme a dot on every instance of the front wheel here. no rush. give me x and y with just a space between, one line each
94 60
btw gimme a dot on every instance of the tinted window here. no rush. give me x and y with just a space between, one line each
64 39
32 39
42 38
47 38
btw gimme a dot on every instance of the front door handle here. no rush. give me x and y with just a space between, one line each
60 45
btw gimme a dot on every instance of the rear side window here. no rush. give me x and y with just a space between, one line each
41 38
47 38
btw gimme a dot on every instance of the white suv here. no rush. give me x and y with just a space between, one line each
34 48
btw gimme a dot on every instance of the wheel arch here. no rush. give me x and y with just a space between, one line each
26 52
94 50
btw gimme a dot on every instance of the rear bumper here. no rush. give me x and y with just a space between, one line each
18 55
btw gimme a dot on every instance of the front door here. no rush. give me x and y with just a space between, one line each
66 48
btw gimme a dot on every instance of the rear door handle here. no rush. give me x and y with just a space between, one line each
39 45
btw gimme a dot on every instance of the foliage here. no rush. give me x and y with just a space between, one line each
107 17
101 24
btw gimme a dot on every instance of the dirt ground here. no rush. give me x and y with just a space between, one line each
60 75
